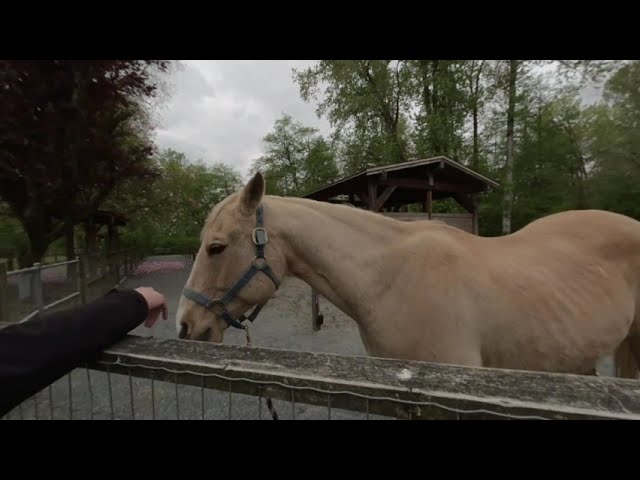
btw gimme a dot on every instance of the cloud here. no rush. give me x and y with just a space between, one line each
220 110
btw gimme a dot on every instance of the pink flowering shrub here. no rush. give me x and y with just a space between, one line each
146 268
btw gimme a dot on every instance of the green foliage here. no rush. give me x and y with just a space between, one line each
614 142
170 212
297 159
12 236
366 101
72 131
565 155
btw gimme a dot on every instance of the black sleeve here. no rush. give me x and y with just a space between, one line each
35 353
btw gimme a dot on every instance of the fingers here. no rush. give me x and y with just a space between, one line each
156 303
152 318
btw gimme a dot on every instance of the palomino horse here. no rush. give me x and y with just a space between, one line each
555 296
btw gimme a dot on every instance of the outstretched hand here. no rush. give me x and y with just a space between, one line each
156 303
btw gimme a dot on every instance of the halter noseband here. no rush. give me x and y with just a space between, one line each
258 264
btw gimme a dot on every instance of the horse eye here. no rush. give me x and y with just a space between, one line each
215 248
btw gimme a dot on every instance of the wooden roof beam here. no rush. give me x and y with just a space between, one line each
419 184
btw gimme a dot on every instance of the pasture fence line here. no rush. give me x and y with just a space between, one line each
149 378
26 292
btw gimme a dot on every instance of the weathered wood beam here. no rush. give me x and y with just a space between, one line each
422 184
474 201
390 385
373 193
384 197
317 319
465 201
364 198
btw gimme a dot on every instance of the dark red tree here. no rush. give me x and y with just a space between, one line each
70 131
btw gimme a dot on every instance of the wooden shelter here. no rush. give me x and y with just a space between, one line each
390 189
92 224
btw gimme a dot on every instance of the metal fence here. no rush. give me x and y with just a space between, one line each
145 378
25 292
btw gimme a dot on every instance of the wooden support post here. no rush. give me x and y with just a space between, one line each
115 266
373 195
430 196
38 294
111 238
4 286
384 197
474 201
317 319
82 278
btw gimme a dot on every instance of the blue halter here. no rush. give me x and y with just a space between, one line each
258 264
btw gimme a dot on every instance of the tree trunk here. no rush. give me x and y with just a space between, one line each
475 159
69 235
38 244
70 245
475 93
40 230
507 205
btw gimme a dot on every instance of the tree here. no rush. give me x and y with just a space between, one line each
70 132
614 143
297 160
363 98
508 176
175 207
437 89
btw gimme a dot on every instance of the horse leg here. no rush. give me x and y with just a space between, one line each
627 356
633 341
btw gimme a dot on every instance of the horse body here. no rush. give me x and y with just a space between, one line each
554 296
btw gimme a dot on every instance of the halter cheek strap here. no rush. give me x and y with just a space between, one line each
258 264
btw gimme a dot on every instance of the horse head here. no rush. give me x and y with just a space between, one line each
237 267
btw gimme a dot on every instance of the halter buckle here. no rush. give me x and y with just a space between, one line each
260 236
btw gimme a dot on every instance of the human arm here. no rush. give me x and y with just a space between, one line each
35 353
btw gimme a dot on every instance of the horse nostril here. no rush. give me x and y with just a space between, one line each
183 331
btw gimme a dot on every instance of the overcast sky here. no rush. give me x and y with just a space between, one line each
220 110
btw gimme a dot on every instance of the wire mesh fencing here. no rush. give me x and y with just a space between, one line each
87 394
152 379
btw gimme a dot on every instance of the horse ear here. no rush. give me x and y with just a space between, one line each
252 193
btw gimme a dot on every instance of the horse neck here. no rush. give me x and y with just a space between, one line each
338 250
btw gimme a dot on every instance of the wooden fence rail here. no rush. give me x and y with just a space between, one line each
393 388
371 386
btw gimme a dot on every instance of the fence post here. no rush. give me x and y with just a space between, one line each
4 297
115 267
37 287
82 278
